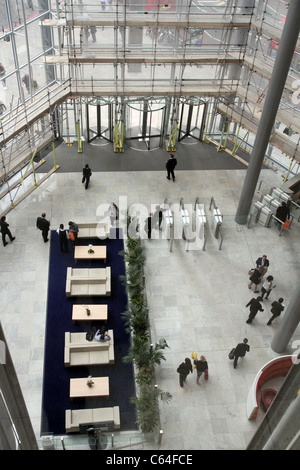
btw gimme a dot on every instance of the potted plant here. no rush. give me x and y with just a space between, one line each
89 381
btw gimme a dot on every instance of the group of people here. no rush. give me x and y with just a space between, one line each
43 224
186 367
277 307
256 278
154 220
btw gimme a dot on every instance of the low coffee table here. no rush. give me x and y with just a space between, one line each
79 387
97 312
81 252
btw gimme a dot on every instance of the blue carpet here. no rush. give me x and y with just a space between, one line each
56 379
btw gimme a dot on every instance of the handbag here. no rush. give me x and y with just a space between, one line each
286 224
71 236
231 354
251 271
206 375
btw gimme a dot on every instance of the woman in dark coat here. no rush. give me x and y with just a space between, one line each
201 366
257 276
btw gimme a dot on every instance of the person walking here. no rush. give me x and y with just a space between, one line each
5 230
63 239
44 225
183 370
267 287
86 174
170 166
256 277
255 306
201 366
240 351
277 308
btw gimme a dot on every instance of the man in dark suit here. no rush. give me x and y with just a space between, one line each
86 174
255 306
5 230
170 166
240 351
277 308
44 225
262 261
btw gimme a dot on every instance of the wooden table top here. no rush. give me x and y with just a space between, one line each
79 387
81 252
97 312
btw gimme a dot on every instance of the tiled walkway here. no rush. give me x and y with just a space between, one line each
197 298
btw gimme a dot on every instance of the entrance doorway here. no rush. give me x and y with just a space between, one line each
192 119
99 121
145 119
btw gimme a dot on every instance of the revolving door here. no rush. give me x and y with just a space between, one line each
192 119
99 114
145 120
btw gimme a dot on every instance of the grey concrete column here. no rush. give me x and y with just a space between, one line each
287 428
284 57
288 324
12 405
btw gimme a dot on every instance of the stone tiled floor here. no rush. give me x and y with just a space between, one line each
197 298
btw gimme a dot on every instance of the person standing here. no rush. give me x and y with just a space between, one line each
262 261
113 213
255 306
2 74
73 231
170 166
157 217
2 108
44 225
86 174
277 308
5 230
240 351
63 239
282 213
148 225
183 370
201 366
93 31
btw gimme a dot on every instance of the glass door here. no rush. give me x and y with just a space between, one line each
99 122
145 123
191 123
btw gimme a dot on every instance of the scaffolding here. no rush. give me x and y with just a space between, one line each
222 53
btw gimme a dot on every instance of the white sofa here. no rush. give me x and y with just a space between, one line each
88 281
81 352
93 230
93 415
